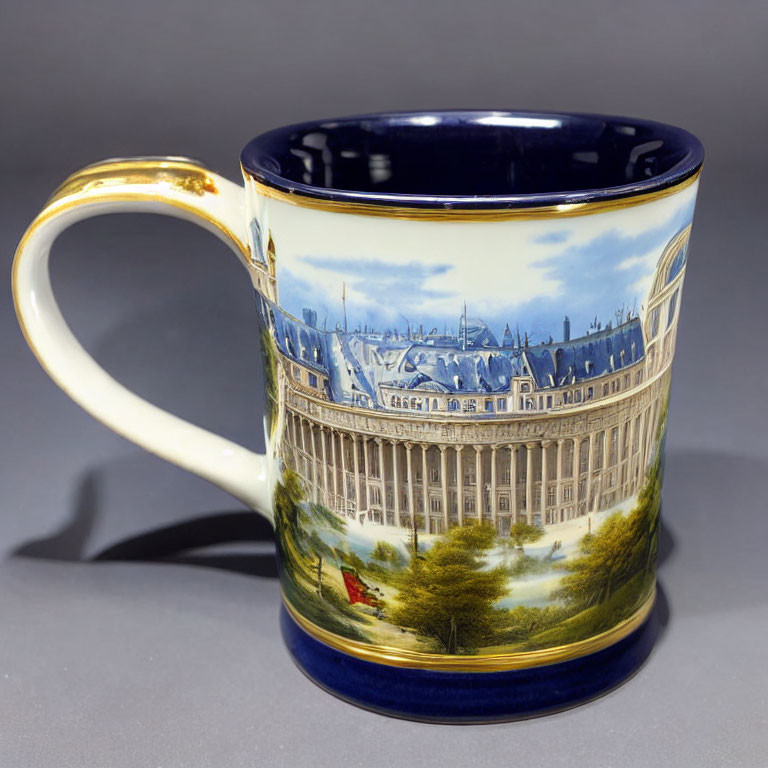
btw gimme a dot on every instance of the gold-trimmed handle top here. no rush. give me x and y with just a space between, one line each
177 181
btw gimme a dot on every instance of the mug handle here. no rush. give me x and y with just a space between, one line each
175 186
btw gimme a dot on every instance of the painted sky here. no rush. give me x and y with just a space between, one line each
526 273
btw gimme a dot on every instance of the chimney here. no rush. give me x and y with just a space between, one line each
566 329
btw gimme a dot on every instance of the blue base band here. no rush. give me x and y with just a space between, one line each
467 697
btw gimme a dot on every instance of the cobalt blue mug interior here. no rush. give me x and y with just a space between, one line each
467 322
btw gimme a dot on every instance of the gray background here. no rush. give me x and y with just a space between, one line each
175 660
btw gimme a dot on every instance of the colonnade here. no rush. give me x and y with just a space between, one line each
435 485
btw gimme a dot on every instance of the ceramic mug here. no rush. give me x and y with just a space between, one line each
467 321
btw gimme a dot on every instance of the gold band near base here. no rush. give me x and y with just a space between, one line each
454 212
498 662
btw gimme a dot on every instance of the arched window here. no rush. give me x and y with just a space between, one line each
453 404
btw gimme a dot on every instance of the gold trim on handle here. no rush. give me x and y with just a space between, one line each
497 662
466 214
93 184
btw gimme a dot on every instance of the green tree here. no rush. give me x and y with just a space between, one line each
296 524
521 533
623 548
388 554
448 593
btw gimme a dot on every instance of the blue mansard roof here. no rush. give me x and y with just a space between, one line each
566 362
357 363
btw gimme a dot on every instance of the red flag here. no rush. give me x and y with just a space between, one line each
357 589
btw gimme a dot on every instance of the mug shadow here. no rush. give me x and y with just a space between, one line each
196 542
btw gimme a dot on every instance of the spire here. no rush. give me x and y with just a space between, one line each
344 302
464 339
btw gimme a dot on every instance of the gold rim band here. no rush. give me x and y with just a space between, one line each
499 662
467 214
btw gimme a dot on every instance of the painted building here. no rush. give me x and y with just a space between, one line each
434 430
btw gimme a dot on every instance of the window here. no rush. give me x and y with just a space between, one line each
672 305
296 373
590 393
549 401
453 404
578 395
525 387
568 493
655 321
605 389
584 458
505 476
434 475
393 401
469 406
501 404
489 406
435 505
550 496
638 377
503 504
312 380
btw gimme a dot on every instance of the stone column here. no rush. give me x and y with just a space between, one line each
494 511
529 482
314 463
631 465
652 429
559 478
382 478
324 467
343 471
459 485
425 486
513 482
304 460
395 483
444 484
479 482
590 464
409 475
576 474
295 446
606 476
544 479
332 434
366 475
356 464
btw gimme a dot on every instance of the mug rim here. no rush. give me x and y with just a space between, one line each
260 161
